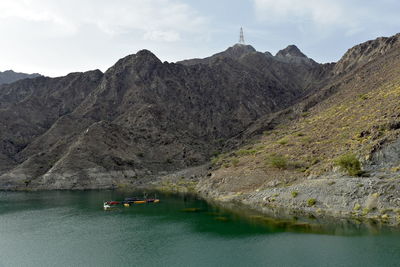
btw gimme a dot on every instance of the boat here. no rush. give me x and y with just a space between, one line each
140 201
127 202
110 204
153 200
136 200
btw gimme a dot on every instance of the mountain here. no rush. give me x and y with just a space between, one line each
281 134
335 153
141 118
292 54
29 107
366 52
10 76
234 52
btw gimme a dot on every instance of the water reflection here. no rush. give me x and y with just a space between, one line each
232 221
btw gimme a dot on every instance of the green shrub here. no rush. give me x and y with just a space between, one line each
277 161
235 162
294 194
357 207
365 211
217 159
305 114
349 163
311 202
283 141
226 165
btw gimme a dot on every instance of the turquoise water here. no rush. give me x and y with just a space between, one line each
71 229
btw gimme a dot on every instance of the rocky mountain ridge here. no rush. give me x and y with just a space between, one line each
9 76
333 154
363 53
290 54
140 118
143 118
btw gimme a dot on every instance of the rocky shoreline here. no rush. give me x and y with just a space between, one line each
332 196
356 199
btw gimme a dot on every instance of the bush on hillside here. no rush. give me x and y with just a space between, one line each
311 202
277 161
350 163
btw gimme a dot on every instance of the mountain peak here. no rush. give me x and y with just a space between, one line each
10 76
292 54
145 53
290 51
239 50
143 58
235 52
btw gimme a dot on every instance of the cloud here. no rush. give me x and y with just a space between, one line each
157 20
56 37
322 14
167 36
31 12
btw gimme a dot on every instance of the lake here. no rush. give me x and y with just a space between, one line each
72 229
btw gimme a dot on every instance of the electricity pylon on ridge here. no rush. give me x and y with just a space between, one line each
241 38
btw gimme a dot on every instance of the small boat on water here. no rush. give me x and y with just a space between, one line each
134 200
127 202
110 204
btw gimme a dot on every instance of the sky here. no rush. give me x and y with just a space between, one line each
56 37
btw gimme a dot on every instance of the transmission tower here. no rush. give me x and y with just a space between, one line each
241 38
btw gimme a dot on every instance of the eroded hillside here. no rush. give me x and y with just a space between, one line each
297 162
141 118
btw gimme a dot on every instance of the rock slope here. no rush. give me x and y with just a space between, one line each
139 119
354 117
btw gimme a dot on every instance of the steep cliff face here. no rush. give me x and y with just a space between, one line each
142 117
